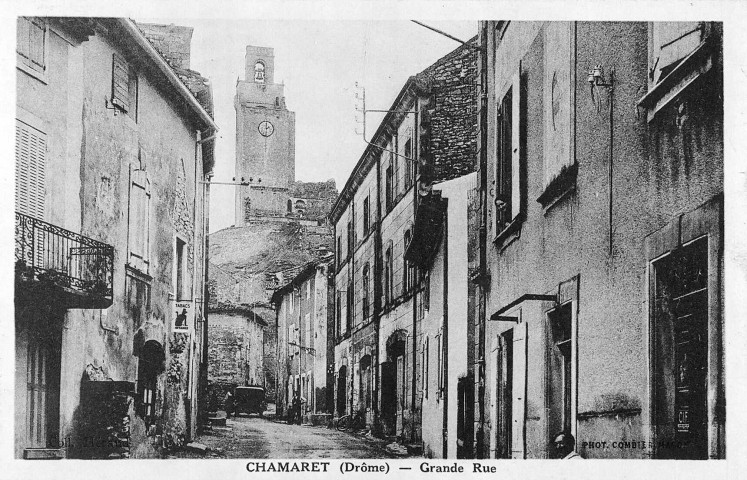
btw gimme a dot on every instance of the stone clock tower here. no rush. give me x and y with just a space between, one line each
265 140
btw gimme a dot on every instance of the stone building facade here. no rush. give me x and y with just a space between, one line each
280 222
601 239
429 135
111 218
303 342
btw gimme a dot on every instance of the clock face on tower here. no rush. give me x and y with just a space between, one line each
266 128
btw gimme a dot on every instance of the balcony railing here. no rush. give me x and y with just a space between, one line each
52 256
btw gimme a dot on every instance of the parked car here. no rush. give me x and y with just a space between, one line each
250 399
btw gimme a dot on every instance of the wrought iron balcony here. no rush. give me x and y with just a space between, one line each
76 269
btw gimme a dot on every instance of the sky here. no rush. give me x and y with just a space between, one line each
319 61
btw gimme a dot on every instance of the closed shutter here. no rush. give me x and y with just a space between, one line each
31 152
139 224
494 356
30 42
519 391
516 144
120 82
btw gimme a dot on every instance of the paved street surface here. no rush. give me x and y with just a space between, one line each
254 437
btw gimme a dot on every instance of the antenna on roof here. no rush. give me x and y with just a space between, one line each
360 110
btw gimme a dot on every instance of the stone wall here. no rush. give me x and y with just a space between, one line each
171 41
453 124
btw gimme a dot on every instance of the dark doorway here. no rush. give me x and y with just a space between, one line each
680 319
465 416
505 369
342 394
559 369
388 397
150 364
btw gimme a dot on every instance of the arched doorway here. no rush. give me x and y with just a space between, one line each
150 365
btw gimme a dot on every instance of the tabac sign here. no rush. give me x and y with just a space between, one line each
183 316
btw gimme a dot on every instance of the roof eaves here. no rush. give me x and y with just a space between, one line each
131 28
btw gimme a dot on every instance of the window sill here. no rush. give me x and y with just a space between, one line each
510 232
690 69
137 273
41 76
559 187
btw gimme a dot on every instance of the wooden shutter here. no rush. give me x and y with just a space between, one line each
31 152
493 357
516 144
139 224
30 42
519 391
36 44
120 82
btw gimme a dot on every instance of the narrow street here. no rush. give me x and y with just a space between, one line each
255 437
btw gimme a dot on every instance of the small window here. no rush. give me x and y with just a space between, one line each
124 86
181 293
409 164
366 216
351 241
389 188
407 267
339 251
366 289
349 308
338 315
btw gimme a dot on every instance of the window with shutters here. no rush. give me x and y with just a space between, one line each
366 216
389 188
351 239
138 238
366 290
679 54
508 202
409 164
31 46
31 154
672 42
124 86
306 342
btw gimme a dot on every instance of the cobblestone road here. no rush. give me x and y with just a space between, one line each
254 437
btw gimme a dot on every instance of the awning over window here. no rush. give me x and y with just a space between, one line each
427 231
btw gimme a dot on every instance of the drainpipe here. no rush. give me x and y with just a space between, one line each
377 294
483 188
416 134
445 333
